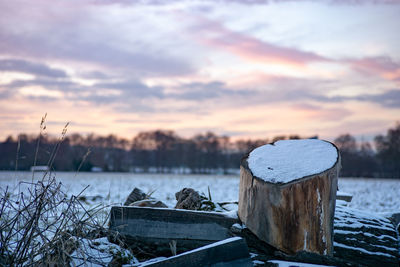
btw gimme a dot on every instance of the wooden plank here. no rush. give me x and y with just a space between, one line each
226 253
157 227
343 196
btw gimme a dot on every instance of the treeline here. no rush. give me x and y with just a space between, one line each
164 151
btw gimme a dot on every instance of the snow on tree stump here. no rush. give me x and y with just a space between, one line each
288 192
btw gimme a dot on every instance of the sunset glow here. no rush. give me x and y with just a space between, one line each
246 69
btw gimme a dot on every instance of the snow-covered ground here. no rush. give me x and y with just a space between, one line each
376 195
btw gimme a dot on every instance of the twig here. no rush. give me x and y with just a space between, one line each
42 128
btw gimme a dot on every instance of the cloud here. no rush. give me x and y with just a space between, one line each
49 84
213 33
63 48
387 99
322 112
390 98
145 120
363 2
134 95
4 94
299 91
28 67
242 2
111 39
130 89
199 91
96 75
383 66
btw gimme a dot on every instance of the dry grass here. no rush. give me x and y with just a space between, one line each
40 225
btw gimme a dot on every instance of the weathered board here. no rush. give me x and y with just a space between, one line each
343 196
157 227
294 216
232 252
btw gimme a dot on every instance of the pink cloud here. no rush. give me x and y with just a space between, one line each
317 112
214 34
382 66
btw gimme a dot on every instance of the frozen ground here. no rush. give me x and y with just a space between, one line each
376 195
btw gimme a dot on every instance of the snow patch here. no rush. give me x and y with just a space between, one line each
348 217
336 244
239 226
380 237
288 160
342 202
99 252
253 255
305 240
231 214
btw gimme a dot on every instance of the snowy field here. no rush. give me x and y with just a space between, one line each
376 195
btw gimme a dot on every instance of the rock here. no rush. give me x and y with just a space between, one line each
134 196
153 203
188 199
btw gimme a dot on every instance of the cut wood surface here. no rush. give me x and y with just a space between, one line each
157 227
293 214
232 252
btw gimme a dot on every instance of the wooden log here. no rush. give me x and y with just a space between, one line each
291 207
265 252
226 253
154 229
360 239
364 238
395 219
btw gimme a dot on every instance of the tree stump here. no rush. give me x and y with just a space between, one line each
288 192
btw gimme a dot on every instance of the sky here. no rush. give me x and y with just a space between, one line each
245 69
